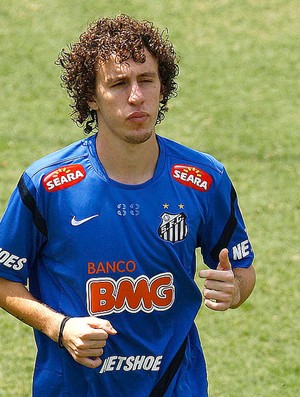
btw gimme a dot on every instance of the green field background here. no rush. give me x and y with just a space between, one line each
239 99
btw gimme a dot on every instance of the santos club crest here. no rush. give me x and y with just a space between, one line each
173 227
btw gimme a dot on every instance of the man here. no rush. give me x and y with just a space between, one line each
106 231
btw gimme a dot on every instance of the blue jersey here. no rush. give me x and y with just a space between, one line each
92 246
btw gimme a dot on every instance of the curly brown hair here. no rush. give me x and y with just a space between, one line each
126 38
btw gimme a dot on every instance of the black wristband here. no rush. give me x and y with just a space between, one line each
61 330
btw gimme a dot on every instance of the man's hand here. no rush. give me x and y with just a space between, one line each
85 339
221 288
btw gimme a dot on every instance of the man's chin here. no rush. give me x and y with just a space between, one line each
138 137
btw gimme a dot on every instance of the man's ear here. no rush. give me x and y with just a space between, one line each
161 97
93 104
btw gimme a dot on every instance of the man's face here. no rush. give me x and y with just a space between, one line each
127 99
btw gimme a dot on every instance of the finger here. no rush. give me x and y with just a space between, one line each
216 275
95 343
86 344
216 305
89 352
224 263
96 335
218 296
90 359
203 273
225 286
105 325
89 362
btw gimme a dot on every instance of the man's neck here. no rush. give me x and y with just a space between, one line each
127 163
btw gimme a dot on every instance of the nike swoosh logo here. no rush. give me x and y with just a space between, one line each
74 222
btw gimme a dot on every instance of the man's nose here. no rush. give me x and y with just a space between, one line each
136 95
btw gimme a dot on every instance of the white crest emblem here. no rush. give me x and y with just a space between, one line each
173 227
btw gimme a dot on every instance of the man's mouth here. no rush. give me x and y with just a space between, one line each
138 117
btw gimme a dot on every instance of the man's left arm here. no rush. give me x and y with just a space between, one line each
225 287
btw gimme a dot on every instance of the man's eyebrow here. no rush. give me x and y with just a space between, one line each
148 74
112 79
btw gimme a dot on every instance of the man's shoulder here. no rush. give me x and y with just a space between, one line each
71 154
182 154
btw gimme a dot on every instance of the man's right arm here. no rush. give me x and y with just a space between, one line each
84 337
18 301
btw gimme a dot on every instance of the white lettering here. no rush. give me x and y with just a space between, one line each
183 176
204 185
111 363
237 252
148 363
138 362
197 181
131 363
245 248
4 255
11 261
190 179
56 181
64 179
241 250
194 180
19 265
78 174
157 363
177 174
50 185
121 360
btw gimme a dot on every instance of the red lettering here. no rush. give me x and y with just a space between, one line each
100 268
115 266
119 269
111 267
91 268
162 291
102 296
106 295
130 266
134 295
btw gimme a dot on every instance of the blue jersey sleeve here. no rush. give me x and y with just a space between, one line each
225 228
22 232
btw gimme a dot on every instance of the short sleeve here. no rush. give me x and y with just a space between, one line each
225 228
22 232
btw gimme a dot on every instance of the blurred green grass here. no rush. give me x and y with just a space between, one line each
239 100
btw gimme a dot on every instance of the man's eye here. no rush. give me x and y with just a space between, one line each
118 83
